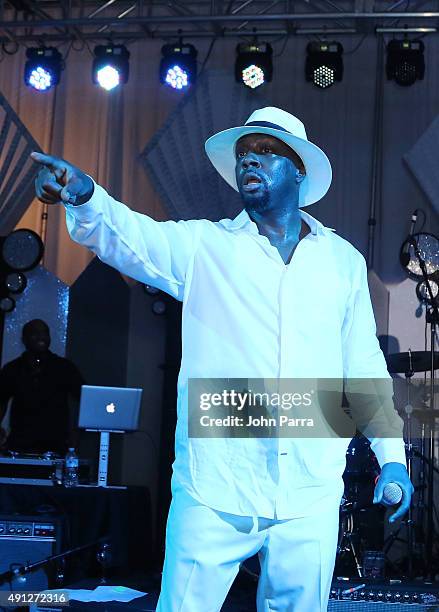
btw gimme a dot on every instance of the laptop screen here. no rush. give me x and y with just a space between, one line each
109 408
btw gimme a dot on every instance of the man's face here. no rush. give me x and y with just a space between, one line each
266 170
37 337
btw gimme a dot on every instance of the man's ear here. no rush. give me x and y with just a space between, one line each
299 176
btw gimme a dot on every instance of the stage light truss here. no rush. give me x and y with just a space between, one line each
59 20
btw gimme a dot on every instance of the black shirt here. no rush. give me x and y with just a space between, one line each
39 418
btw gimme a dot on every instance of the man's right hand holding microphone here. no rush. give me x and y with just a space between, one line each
58 181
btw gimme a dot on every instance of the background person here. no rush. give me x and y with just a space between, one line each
45 390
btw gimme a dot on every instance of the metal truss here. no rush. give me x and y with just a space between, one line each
47 21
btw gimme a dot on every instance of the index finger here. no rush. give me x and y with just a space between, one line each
53 163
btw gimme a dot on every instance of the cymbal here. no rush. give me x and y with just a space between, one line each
425 414
415 361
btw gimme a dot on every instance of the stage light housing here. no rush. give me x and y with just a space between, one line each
22 250
16 282
324 63
423 293
254 64
111 66
428 245
158 307
178 66
43 68
405 61
7 304
150 290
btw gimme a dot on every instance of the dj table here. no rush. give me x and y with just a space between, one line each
90 513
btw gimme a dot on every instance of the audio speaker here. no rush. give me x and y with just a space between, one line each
25 540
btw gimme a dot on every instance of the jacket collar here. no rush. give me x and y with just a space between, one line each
243 221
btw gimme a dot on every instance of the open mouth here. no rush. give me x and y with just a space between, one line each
251 178
251 182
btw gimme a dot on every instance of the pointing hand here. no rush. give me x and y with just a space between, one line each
58 181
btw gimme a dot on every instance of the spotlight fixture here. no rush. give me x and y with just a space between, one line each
7 304
150 290
423 293
324 63
158 307
16 282
254 64
22 250
178 66
428 245
110 66
405 61
43 68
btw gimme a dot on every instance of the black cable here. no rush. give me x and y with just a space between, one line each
212 43
146 433
16 48
287 37
68 50
358 45
425 346
420 210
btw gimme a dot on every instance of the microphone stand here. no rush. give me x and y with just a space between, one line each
432 317
408 409
10 575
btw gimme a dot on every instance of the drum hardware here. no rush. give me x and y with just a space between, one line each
424 415
360 460
416 265
345 543
411 362
361 470
408 410
407 364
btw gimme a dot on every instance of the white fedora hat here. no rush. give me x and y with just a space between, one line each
220 149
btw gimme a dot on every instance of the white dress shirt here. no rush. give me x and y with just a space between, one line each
247 314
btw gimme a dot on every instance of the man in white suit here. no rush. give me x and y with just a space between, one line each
248 312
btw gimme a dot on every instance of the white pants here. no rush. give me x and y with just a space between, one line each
204 548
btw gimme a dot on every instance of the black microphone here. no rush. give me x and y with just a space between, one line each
404 256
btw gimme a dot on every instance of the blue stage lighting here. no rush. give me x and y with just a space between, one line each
253 65
110 66
178 66
43 68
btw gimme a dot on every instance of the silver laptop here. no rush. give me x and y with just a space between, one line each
109 408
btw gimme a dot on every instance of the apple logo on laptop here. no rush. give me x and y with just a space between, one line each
110 408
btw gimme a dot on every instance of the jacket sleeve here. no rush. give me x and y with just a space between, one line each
368 385
153 252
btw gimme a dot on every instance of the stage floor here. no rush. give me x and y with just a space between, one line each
242 595
241 598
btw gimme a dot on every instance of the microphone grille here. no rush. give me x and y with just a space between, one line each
392 494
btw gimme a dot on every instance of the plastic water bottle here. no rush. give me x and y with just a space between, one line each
71 467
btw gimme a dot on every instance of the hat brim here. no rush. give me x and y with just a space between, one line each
220 149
